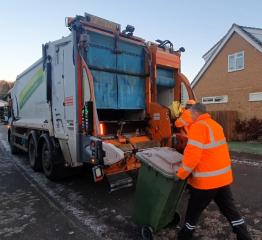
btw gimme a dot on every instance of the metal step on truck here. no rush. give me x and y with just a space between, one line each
98 96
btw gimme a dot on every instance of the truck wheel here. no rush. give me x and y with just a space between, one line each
34 161
14 149
52 170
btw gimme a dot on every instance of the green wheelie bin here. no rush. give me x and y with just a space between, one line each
158 190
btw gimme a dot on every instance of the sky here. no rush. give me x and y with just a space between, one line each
194 24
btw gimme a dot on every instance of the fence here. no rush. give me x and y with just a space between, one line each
227 119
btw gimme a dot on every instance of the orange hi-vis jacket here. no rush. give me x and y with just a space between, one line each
185 120
206 157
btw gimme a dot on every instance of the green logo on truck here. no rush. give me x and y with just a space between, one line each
30 88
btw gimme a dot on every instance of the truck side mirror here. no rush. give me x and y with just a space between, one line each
48 81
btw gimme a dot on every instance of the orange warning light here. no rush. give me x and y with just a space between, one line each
101 127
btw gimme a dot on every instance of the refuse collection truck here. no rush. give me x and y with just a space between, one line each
97 96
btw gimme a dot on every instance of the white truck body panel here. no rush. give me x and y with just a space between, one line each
32 123
63 97
29 98
30 106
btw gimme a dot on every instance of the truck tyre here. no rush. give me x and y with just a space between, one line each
34 161
11 139
53 168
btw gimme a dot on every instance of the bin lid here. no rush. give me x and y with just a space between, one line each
163 159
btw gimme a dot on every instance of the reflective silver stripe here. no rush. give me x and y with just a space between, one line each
208 145
212 173
188 169
211 134
189 226
239 222
183 121
215 144
236 224
196 143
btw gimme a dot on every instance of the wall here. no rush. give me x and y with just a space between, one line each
237 85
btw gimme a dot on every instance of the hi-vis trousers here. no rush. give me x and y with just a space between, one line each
199 200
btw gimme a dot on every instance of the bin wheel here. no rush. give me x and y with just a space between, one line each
147 233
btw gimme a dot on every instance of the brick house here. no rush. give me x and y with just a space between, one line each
231 78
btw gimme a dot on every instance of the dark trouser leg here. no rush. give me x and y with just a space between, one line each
225 202
198 201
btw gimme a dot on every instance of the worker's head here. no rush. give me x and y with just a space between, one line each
190 103
197 110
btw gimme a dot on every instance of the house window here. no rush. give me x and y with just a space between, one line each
256 96
236 61
215 99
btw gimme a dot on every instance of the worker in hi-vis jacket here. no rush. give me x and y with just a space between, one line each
207 165
185 120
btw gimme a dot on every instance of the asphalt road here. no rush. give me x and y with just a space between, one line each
32 207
